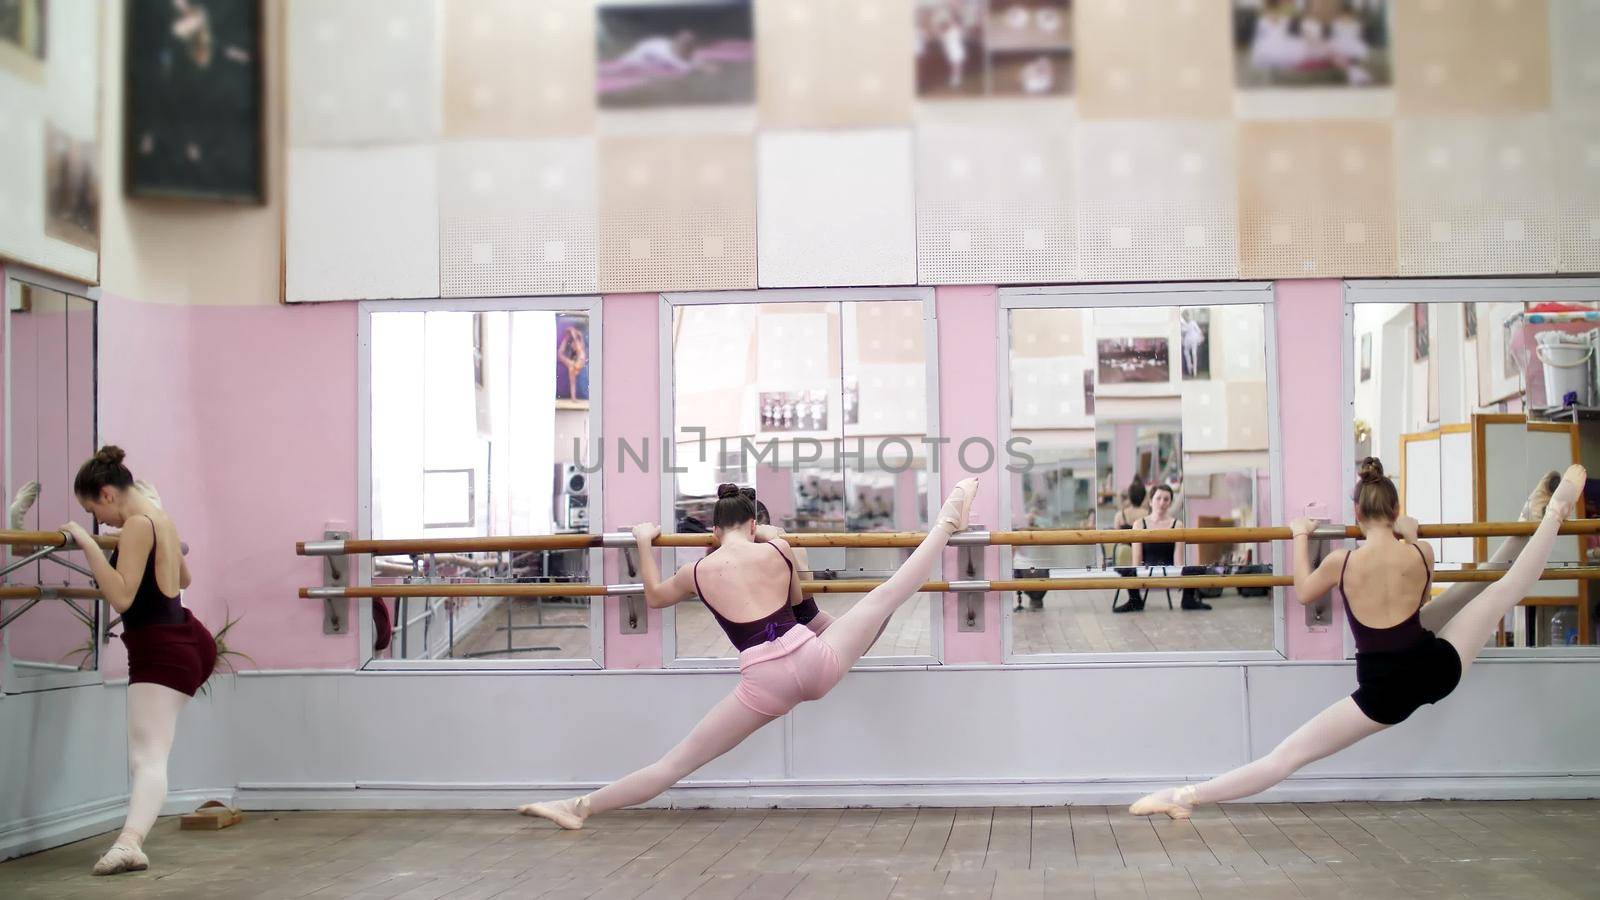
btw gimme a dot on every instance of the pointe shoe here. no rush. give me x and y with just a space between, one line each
1564 498
122 858
23 502
1179 807
1533 510
569 814
958 509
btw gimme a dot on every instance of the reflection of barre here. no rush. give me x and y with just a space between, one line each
409 567
1087 583
622 540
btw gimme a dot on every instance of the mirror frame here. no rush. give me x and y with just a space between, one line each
587 304
935 499
1448 290
15 276
1258 293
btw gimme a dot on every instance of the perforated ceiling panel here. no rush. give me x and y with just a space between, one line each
1574 60
836 209
831 63
362 224
677 212
519 69
517 217
1140 60
994 205
1157 200
1315 198
1475 196
1471 56
363 71
1578 175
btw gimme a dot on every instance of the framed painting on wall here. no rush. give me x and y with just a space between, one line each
572 362
1499 376
192 127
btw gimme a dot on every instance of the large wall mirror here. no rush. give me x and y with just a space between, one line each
823 406
1151 413
1467 403
480 424
50 422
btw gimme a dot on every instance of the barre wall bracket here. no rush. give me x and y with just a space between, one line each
969 604
633 614
336 573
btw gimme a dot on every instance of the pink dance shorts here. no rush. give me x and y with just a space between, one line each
776 676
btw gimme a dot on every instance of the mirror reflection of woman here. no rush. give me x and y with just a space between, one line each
1401 664
1164 554
170 654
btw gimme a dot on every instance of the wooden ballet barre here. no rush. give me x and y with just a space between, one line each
16 592
861 586
625 540
59 540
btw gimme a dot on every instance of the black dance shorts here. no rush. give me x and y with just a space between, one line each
1393 685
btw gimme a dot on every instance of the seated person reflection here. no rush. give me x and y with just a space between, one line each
1163 554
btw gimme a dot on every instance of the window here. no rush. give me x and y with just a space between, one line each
478 418
1115 396
821 401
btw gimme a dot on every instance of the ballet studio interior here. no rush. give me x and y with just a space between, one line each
799 448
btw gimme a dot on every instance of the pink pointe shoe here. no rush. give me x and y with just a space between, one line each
957 510
1176 803
569 814
1563 500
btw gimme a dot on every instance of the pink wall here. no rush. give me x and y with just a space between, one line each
968 386
1313 429
630 371
244 419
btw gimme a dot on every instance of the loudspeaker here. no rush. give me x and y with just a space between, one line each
571 497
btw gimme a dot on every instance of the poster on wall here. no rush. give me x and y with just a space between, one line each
852 401
793 410
1088 392
658 53
974 48
1499 376
71 189
1420 337
22 37
1469 321
1194 333
1133 360
193 125
1311 43
1366 357
572 361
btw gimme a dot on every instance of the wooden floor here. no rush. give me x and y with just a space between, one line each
1368 850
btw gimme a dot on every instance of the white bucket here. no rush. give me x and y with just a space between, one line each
1566 359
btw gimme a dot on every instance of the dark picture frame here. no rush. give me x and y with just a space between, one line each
195 98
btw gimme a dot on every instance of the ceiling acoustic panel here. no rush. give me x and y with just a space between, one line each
677 212
994 204
1316 199
362 223
837 209
1577 155
517 217
1142 60
515 69
863 77
1475 196
363 72
1471 56
1575 55
1157 200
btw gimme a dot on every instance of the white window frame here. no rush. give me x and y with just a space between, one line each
930 332
1134 295
1449 290
15 274
590 305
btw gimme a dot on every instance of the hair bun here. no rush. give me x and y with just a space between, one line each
1370 469
749 493
110 455
724 491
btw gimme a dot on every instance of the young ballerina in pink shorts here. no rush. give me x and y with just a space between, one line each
751 587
